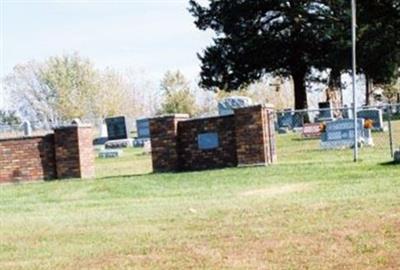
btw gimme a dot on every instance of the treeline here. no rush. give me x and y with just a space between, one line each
62 88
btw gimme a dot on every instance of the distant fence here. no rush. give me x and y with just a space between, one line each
299 133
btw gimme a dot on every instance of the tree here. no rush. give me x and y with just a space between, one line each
73 80
30 96
291 37
178 97
66 87
392 91
378 45
9 118
378 41
262 36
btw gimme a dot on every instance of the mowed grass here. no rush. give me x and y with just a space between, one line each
313 210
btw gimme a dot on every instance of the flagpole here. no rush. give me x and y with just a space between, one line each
354 64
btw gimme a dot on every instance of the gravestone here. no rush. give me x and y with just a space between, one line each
103 138
226 106
375 115
113 144
311 131
116 128
110 153
27 128
340 134
346 112
325 113
285 119
143 128
396 156
147 147
298 120
103 131
143 132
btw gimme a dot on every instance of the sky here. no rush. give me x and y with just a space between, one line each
152 36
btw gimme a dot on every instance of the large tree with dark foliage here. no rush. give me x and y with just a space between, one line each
378 41
262 36
288 38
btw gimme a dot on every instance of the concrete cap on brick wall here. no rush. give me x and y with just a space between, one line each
255 106
173 115
73 125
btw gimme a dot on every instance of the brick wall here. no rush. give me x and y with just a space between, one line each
255 136
193 158
164 144
66 153
244 138
27 159
74 152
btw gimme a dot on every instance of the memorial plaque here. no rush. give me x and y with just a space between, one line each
116 128
143 128
207 141
375 115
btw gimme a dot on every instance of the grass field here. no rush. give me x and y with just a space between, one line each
314 210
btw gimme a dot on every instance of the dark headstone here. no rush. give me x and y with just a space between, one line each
325 112
375 115
116 128
100 141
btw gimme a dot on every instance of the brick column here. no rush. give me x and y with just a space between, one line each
255 143
74 152
163 135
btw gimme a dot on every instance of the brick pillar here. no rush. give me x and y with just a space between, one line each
163 135
74 152
255 141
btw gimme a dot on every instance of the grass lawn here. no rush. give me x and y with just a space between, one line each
314 210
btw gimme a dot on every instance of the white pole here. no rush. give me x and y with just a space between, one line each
353 26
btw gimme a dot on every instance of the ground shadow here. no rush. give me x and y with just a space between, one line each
390 163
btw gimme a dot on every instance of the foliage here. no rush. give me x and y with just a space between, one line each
291 37
9 118
259 37
178 97
378 39
73 81
67 87
392 91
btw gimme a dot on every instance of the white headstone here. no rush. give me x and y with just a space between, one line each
27 128
103 130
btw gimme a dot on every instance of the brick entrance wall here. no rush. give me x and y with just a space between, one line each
193 158
27 159
66 153
244 138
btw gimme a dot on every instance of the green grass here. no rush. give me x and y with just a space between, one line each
313 210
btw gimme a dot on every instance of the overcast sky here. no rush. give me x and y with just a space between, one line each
152 35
